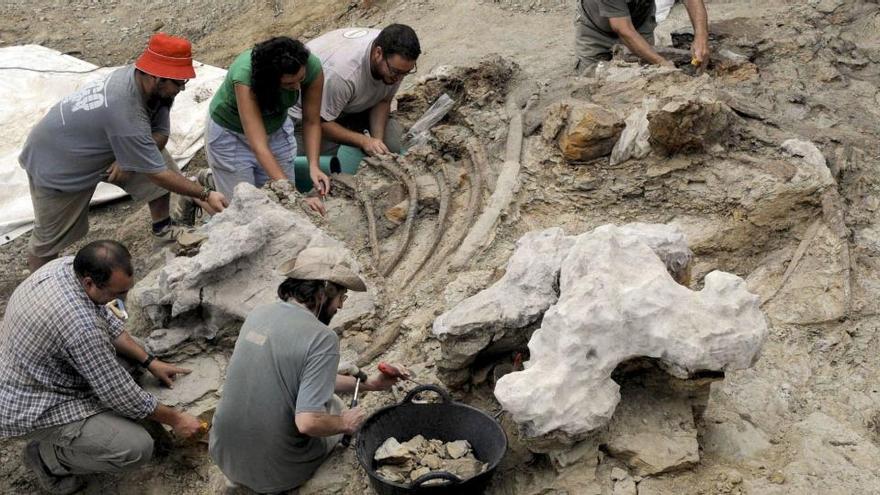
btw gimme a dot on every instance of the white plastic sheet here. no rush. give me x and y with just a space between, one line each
663 8
32 79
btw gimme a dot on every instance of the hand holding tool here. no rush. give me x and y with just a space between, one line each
346 439
392 372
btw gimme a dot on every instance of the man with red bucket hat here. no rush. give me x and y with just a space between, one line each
112 130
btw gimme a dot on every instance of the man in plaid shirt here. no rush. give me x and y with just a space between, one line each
60 381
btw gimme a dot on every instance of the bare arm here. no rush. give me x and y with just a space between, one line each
179 184
700 20
312 133
165 372
624 28
255 131
345 384
379 117
128 347
321 424
338 134
311 113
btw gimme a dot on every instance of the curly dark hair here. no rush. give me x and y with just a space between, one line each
269 61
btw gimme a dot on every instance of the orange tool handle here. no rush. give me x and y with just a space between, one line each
389 371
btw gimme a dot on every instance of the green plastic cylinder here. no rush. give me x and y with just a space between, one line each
346 160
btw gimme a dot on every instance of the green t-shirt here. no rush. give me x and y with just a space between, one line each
224 107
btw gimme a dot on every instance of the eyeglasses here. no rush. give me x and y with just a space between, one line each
395 73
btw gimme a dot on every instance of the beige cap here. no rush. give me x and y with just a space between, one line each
323 264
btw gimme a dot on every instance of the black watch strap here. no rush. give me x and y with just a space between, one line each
146 362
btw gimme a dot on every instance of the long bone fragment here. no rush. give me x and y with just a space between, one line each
482 232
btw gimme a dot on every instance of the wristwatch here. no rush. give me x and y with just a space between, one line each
146 362
206 191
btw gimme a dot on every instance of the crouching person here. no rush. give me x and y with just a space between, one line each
278 419
61 383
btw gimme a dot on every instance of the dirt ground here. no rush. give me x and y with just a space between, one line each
812 84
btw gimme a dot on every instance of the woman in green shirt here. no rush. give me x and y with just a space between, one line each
249 137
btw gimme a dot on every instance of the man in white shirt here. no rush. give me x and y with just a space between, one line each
363 69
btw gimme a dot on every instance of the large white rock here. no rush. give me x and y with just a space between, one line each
234 270
617 302
522 295
517 301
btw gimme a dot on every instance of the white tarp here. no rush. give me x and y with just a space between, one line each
663 7
32 79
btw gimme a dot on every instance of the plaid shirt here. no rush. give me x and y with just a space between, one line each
57 360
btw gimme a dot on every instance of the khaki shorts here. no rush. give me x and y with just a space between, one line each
62 218
593 46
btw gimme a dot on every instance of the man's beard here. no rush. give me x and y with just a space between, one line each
156 101
324 315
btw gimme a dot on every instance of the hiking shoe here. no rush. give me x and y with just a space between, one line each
184 210
50 483
170 233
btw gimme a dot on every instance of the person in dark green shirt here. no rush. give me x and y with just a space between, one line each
249 137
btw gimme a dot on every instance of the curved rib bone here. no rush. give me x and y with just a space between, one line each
352 187
401 174
474 200
443 187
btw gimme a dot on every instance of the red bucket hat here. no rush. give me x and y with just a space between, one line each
167 56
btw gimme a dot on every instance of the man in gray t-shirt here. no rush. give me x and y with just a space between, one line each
363 69
601 24
114 130
278 419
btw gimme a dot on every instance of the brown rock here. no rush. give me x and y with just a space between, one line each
396 474
457 449
418 472
591 130
688 125
464 468
417 445
392 452
432 461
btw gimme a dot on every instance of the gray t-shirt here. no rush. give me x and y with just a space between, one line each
597 12
284 363
78 139
349 86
